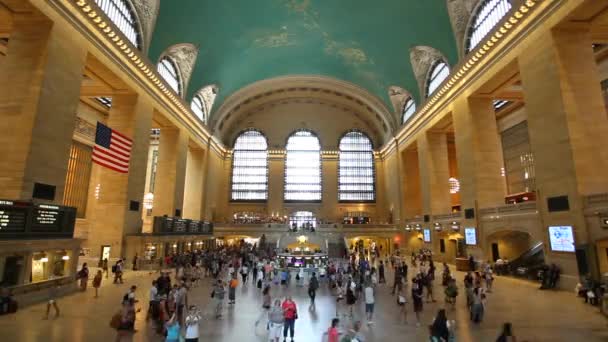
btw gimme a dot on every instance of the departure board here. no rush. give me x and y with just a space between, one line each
194 227
180 225
13 216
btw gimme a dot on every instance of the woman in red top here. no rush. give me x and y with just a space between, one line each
332 333
290 312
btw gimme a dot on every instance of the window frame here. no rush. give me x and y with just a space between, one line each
231 189
475 24
430 79
104 6
405 107
285 200
178 75
373 167
204 112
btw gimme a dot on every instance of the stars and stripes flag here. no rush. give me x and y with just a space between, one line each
112 149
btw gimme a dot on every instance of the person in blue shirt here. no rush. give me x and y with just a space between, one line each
173 329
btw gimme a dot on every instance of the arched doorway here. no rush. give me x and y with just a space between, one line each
522 254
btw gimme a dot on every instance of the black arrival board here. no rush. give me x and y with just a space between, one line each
22 220
176 225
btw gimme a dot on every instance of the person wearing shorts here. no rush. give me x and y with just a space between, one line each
369 293
277 320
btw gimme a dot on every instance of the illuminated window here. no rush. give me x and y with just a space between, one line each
356 169
439 72
123 16
250 167
168 70
302 219
454 185
303 167
198 108
489 14
409 108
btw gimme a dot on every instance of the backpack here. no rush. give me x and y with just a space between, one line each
113 268
116 320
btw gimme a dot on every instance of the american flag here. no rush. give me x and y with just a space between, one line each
111 149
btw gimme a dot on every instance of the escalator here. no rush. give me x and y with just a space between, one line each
528 264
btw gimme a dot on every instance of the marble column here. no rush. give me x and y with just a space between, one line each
39 95
568 131
171 172
412 198
193 190
434 173
478 152
276 184
111 214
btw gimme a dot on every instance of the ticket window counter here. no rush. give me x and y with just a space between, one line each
152 251
50 265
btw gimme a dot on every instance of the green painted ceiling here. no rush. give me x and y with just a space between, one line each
361 41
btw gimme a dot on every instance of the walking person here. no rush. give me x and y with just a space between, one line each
244 273
417 299
218 294
153 306
477 306
332 333
173 329
401 301
351 299
104 267
118 269
83 276
397 280
192 324
276 320
97 282
440 328
52 301
506 335
234 282
312 288
382 279
290 313
369 293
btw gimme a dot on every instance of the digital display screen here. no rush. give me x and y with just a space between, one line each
470 236
561 238
426 235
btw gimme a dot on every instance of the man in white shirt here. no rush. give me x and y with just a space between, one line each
153 308
369 302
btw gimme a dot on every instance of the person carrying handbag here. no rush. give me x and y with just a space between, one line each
290 313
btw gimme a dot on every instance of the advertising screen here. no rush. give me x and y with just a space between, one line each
561 238
470 237
426 235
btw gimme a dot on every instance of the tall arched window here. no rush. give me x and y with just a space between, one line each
439 72
168 70
409 108
123 16
303 167
356 169
489 13
198 107
250 167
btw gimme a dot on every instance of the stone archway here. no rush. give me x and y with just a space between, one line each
508 244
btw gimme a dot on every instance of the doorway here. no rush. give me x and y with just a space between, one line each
495 254
105 253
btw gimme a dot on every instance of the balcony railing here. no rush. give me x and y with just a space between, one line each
525 208
596 201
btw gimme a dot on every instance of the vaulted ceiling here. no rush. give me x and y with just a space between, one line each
360 41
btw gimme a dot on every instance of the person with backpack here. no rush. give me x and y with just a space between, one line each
234 282
83 276
276 320
117 269
290 313
312 288
451 292
351 299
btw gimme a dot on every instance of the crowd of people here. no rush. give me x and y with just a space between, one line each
353 281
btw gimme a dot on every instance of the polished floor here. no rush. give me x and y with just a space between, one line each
536 316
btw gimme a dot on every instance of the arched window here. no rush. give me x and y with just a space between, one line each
356 169
123 16
250 167
303 167
439 72
488 14
409 108
168 70
198 107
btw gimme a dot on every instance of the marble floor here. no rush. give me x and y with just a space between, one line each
536 316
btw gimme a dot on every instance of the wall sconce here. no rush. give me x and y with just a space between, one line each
455 225
65 257
437 226
408 227
418 227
